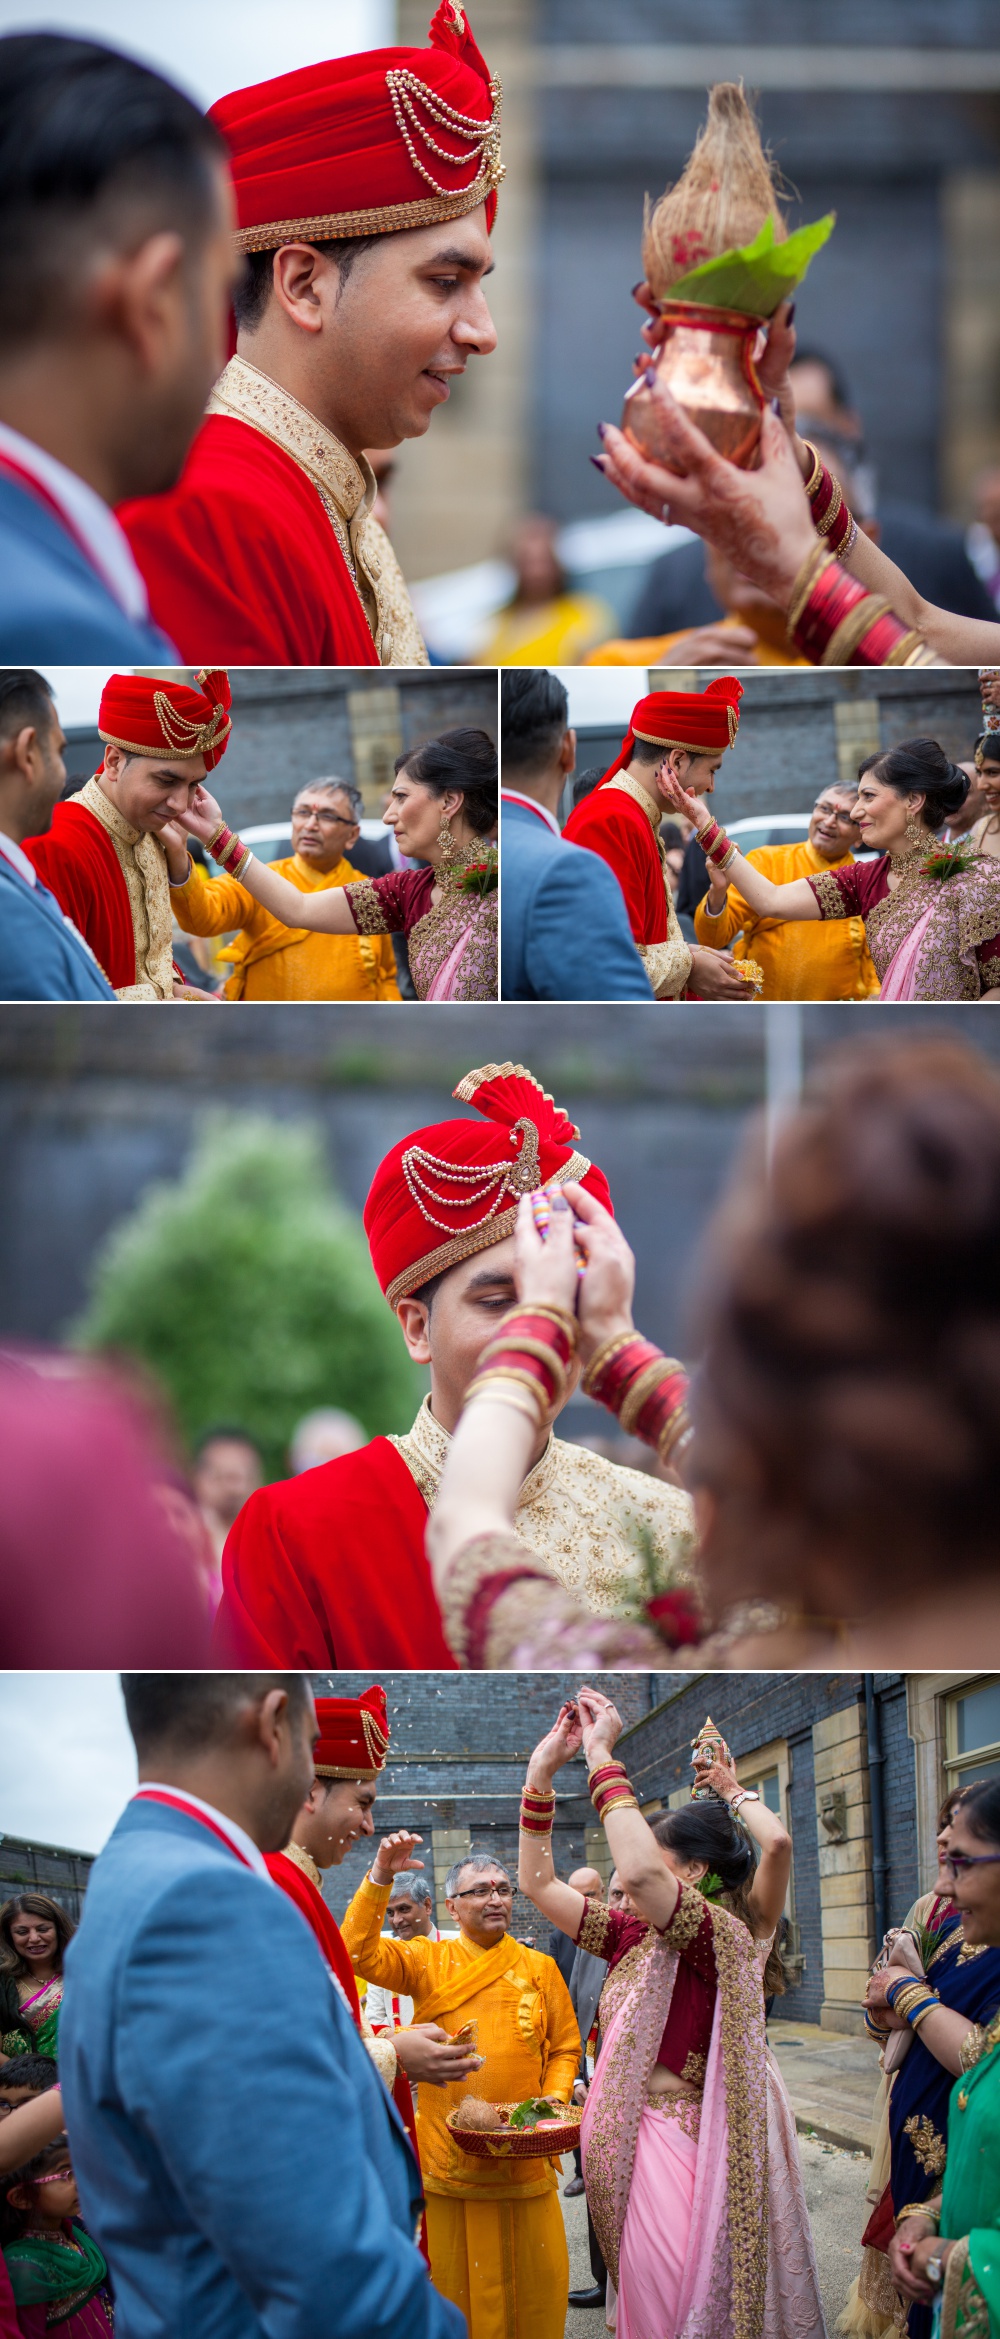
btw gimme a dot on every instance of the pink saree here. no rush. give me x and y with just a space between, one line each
700 2213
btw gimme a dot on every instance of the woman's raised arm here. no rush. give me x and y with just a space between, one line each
536 1876
320 913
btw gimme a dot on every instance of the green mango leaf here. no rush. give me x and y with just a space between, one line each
760 275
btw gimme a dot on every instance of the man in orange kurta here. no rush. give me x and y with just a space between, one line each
272 961
494 2227
799 959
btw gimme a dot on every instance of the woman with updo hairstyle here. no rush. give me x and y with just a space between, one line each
442 810
931 911
984 836
846 1455
690 2159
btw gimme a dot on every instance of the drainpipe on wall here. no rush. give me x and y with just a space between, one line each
876 1789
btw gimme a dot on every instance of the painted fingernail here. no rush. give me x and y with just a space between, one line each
598 463
601 428
790 319
649 377
776 407
558 1201
637 287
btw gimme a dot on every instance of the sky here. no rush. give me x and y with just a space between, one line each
212 46
67 1763
602 694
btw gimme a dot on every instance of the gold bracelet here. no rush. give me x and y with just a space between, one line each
603 1356
816 474
917 2209
815 561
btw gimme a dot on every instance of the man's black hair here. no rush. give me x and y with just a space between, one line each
534 712
35 2071
90 141
190 1712
254 290
25 697
227 1432
829 364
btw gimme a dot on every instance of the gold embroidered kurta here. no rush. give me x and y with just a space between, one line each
381 2050
143 864
588 1518
347 491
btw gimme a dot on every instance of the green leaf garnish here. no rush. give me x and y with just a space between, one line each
757 277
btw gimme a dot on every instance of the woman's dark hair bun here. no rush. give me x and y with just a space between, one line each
465 759
920 767
707 1831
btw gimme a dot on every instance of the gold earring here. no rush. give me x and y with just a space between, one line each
446 838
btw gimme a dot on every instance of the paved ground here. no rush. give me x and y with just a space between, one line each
831 2081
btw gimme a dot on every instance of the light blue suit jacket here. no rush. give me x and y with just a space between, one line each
41 957
238 2158
564 930
54 608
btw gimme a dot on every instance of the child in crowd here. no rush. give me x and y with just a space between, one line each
57 2274
23 2077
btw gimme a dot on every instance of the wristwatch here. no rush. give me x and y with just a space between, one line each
933 2269
746 1795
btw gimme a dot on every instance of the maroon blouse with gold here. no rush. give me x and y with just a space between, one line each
613 1933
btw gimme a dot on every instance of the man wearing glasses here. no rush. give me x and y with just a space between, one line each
272 961
495 2233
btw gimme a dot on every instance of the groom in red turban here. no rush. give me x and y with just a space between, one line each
103 857
329 1568
683 733
366 190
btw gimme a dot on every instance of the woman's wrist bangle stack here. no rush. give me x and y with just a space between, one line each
538 1805
229 851
611 1789
526 1364
833 522
719 850
914 2000
645 1390
833 621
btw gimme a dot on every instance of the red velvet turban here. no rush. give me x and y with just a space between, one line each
392 138
454 1188
700 720
146 716
353 1736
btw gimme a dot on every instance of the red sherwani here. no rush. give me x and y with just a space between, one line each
243 555
77 861
612 824
329 1569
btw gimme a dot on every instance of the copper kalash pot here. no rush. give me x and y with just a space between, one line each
707 362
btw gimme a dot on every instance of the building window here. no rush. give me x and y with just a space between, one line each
972 1732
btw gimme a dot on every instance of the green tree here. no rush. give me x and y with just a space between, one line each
246 1288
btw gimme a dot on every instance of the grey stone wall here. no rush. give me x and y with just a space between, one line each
293 724
31 1867
800 730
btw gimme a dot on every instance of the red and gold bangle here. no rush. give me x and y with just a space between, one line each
645 1390
833 621
229 851
716 846
538 1807
611 1790
526 1361
832 519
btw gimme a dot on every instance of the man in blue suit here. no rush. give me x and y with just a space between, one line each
116 268
42 954
239 2161
564 930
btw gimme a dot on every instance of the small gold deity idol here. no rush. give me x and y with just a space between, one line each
709 1746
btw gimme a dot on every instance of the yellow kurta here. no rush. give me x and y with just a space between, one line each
555 633
801 959
651 649
494 2228
272 961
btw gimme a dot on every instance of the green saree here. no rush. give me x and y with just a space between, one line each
969 2306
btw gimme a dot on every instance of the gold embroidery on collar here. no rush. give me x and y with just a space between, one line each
584 1516
668 964
347 491
143 864
300 1858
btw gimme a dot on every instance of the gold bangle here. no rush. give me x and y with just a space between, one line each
852 630
916 2209
816 474
541 1307
603 1356
814 563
